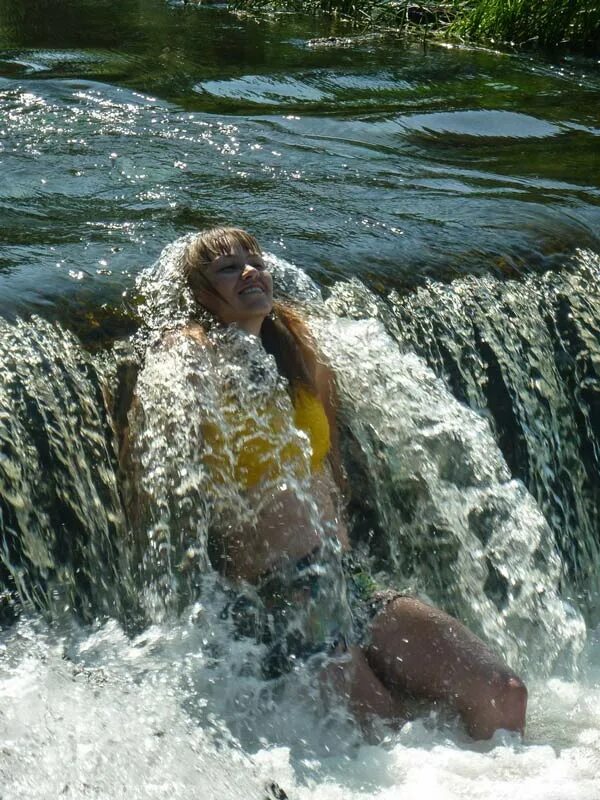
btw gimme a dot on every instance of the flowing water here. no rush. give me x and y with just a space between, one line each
437 212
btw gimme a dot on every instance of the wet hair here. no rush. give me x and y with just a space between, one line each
284 333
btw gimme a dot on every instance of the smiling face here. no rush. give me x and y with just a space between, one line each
234 284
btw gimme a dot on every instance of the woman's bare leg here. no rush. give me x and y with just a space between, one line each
421 651
352 678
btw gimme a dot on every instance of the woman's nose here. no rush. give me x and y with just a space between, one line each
248 271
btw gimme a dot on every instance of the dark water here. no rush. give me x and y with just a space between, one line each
124 125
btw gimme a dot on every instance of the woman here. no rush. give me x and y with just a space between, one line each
283 548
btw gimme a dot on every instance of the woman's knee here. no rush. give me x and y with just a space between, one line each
419 648
501 688
511 691
415 647
498 702
516 702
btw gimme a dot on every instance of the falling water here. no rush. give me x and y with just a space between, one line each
450 522
61 525
528 352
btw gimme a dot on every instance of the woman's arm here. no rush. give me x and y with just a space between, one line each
164 436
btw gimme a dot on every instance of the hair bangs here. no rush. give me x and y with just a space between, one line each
216 242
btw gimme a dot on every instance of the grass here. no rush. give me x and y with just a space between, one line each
573 24
368 13
545 23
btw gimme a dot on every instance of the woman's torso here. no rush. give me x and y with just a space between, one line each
273 445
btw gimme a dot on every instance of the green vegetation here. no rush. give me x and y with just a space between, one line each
573 24
546 23
370 13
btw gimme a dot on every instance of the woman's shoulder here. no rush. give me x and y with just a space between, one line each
191 331
178 353
194 331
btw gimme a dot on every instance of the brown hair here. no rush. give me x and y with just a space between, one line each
284 333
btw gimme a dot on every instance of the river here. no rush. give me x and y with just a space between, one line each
440 208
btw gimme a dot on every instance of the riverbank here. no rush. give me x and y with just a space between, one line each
546 24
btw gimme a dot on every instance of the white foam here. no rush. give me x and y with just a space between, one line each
116 719
105 733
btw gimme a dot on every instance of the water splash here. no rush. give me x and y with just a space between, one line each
194 412
91 711
450 522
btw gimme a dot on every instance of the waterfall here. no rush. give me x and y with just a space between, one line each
527 354
62 529
446 518
441 501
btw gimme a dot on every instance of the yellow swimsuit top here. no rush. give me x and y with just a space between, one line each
259 453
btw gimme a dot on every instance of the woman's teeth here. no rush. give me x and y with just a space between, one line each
251 290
